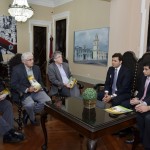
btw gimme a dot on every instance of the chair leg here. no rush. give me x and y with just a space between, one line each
19 118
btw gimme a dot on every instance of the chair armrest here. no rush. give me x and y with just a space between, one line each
81 86
98 87
46 89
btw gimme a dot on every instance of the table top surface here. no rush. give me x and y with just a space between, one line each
91 119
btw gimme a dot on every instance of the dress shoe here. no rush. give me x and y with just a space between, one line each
11 138
16 134
129 140
25 118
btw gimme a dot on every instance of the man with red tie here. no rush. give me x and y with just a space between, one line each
142 107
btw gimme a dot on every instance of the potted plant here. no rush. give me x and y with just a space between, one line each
89 98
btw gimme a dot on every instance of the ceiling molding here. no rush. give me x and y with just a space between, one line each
49 3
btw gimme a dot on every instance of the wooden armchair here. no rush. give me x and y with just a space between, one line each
16 96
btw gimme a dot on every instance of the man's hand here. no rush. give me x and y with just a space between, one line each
31 89
67 85
2 97
142 108
106 98
134 101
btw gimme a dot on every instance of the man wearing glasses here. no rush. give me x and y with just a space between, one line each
59 75
26 78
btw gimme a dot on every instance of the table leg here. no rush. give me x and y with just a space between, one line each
43 120
91 144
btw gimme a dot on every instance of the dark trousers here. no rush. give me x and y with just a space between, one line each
7 118
143 122
64 91
123 99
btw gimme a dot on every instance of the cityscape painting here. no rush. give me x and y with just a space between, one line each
91 46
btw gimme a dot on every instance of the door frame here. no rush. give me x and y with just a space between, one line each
57 17
145 6
41 23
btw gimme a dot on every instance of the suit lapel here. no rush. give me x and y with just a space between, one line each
112 75
24 72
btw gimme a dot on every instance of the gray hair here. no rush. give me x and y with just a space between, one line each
26 55
56 53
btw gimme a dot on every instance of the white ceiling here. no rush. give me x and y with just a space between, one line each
49 3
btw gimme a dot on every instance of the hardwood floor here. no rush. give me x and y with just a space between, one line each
63 137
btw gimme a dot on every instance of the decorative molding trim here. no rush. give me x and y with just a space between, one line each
64 15
40 23
49 3
143 26
61 2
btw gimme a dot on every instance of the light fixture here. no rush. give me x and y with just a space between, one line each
20 10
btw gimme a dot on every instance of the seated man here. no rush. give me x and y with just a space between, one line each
7 130
59 74
26 78
142 106
118 83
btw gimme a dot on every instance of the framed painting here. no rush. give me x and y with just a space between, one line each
8 35
91 46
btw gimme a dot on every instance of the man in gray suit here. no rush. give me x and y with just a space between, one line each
10 135
26 78
59 74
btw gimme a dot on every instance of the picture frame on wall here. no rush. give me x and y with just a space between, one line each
8 35
91 46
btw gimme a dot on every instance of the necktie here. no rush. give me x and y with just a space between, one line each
145 88
114 81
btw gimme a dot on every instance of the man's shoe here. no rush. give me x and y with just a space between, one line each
16 134
130 139
9 138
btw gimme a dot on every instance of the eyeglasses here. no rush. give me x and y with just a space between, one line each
60 56
30 59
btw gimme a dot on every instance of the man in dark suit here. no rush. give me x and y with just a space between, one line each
142 106
26 78
10 135
59 74
118 82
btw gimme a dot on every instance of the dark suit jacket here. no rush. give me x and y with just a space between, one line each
124 81
19 78
55 76
1 86
141 91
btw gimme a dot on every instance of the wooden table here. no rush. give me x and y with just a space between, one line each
92 124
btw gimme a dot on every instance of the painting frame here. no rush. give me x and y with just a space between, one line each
91 46
8 35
